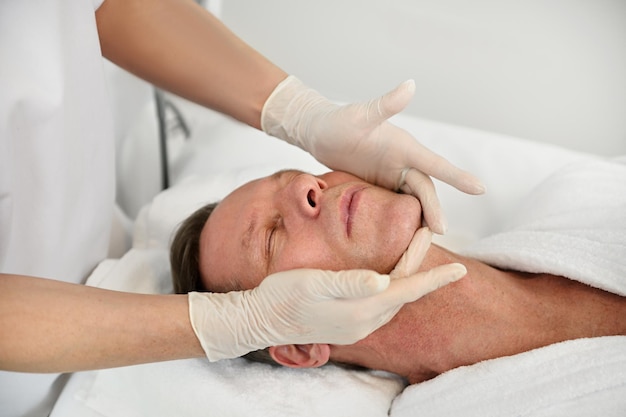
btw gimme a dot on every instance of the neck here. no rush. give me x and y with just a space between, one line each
488 314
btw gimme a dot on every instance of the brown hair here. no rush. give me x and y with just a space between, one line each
185 252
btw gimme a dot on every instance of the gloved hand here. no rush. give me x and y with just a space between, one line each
312 306
358 139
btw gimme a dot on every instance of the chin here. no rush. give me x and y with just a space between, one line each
406 222
389 231
383 257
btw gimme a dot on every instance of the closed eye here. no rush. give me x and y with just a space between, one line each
271 237
270 241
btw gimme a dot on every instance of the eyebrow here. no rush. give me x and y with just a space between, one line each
247 237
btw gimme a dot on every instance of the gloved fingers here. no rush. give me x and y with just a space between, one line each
355 283
421 186
456 177
438 167
406 290
412 258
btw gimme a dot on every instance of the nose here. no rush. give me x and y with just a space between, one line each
303 196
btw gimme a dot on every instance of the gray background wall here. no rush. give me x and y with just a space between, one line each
545 70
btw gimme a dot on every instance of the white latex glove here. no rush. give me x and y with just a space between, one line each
312 306
358 139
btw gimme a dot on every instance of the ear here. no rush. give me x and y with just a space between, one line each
301 356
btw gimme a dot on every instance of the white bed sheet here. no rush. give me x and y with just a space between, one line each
222 155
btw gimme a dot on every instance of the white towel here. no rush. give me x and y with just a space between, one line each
584 377
573 224
238 388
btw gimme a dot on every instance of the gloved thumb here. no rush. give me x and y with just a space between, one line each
406 290
355 283
412 258
393 102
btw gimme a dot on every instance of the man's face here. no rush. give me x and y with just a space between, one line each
296 220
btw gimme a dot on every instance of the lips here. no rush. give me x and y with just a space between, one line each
349 204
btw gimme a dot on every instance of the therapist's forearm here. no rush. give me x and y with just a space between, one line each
53 326
179 46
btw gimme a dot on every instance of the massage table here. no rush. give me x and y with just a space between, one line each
580 377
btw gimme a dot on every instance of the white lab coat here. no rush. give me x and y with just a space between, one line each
57 184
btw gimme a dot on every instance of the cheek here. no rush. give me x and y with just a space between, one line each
315 253
385 239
